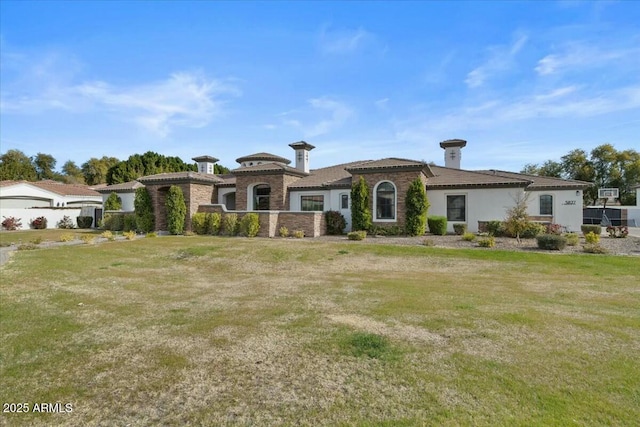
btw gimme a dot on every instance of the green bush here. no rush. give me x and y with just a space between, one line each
532 230
460 229
283 231
591 238
212 223
487 242
176 210
591 228
594 248
469 237
495 228
298 234
129 235
230 224
437 225
198 223
113 202
67 237
129 222
552 242
84 221
417 205
335 222
113 222
360 211
65 223
250 225
572 239
357 235
145 219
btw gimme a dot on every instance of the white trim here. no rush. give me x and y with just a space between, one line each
250 189
375 203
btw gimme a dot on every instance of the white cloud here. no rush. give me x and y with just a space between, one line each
578 56
323 115
344 41
501 59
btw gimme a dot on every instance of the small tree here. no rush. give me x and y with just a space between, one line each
417 205
113 203
176 210
517 219
360 212
145 220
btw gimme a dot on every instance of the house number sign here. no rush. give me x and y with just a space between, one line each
569 202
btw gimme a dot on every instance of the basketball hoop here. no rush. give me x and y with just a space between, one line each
608 194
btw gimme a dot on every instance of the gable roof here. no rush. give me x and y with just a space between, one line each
330 177
125 187
56 187
540 182
460 178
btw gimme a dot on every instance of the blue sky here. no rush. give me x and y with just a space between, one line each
522 82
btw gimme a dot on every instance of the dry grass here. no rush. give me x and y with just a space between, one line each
226 331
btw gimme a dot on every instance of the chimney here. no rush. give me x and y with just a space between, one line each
452 152
205 164
302 149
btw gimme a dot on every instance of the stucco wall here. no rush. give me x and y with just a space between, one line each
53 215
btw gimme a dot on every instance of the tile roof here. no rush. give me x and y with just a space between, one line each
454 178
266 157
392 163
180 176
123 187
57 187
540 182
267 168
330 177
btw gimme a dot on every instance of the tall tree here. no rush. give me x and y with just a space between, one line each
15 165
149 163
45 165
360 211
95 170
71 173
417 205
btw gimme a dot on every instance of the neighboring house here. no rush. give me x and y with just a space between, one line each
295 197
53 200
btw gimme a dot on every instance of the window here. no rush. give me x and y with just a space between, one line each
344 201
456 208
385 201
546 204
262 195
312 203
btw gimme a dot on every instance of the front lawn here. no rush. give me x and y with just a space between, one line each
214 331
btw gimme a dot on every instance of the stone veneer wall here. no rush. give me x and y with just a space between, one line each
279 197
312 223
402 181
194 195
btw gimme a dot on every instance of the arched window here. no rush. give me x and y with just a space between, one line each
546 204
385 201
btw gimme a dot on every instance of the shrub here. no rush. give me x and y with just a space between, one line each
428 242
298 234
417 205
250 225
437 225
357 235
39 223
591 228
551 242
379 230
212 223
88 238
591 238
67 237
487 242
230 224
129 222
11 223
145 220
460 229
84 221
618 232
572 239
176 210
594 248
113 222
198 223
517 219
129 235
108 235
188 233
65 223
469 237
36 240
27 247
283 231
335 222
152 234
495 228
554 229
360 212
113 202
532 230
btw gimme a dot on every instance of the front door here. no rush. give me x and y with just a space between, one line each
345 209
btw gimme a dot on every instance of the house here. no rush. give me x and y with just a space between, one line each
52 199
296 196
